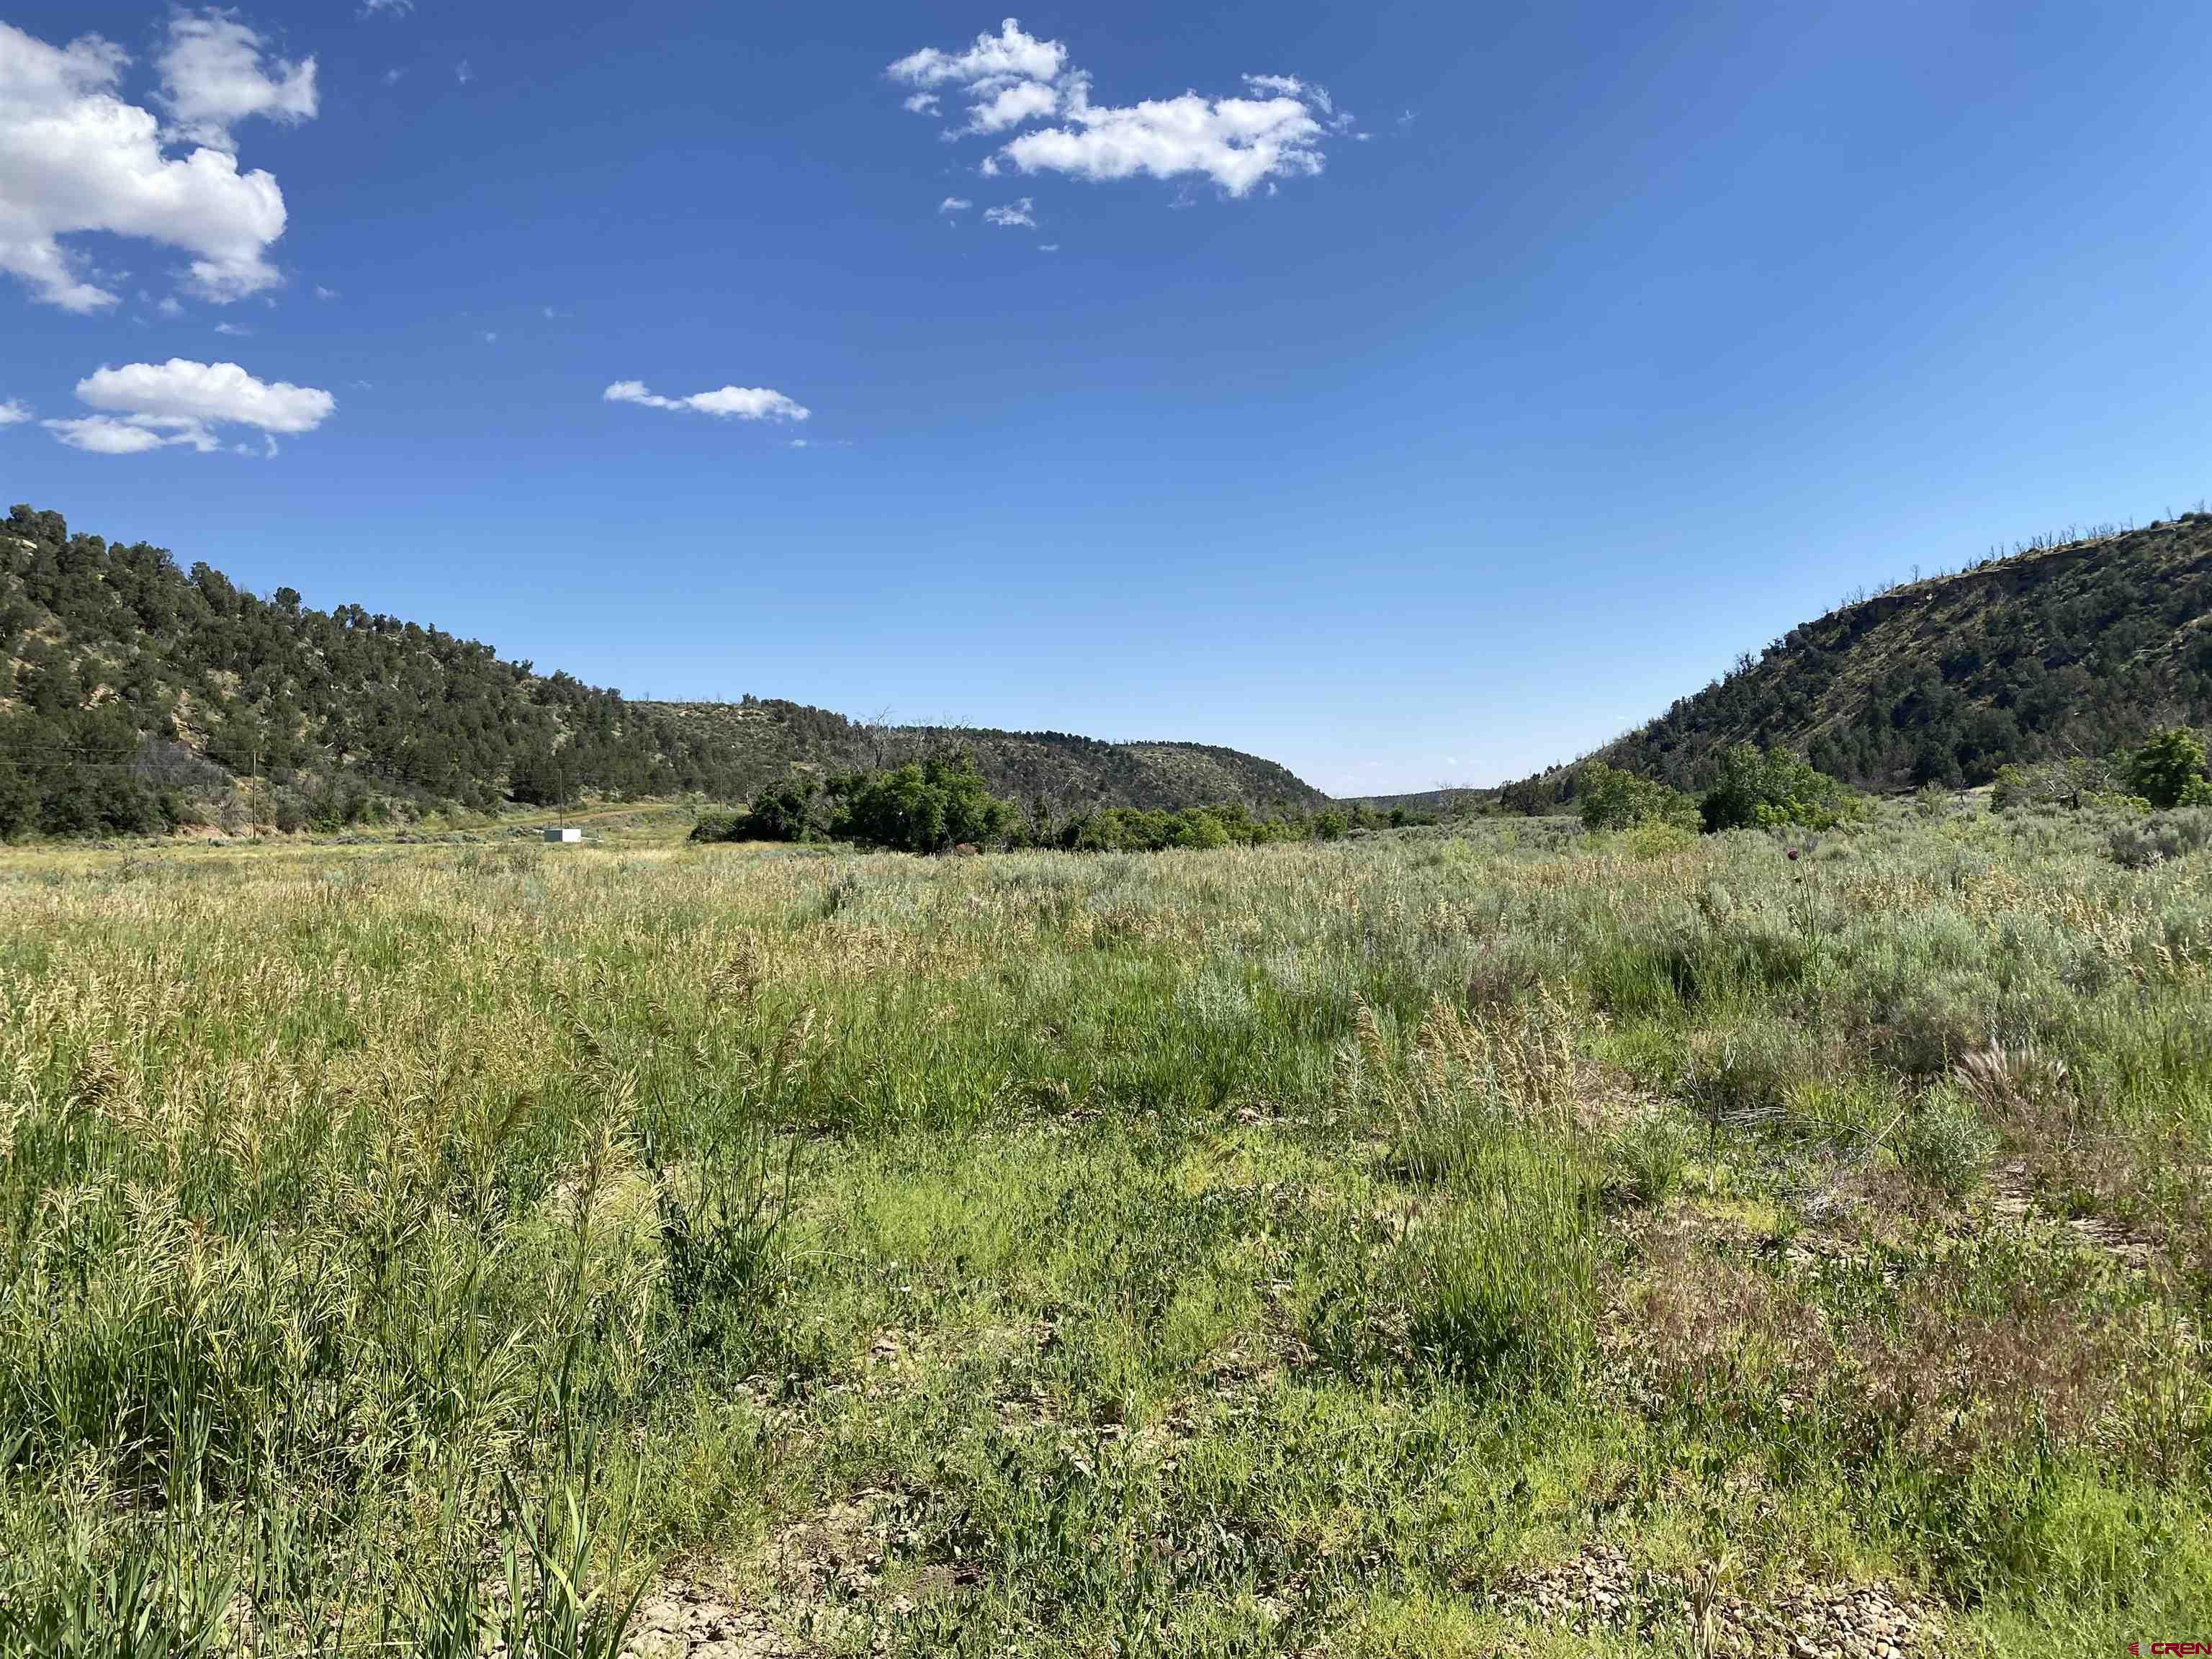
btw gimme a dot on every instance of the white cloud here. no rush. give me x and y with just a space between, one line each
464 72
1015 213
1010 55
233 329
221 392
1024 100
13 413
170 307
103 436
1012 80
954 205
146 406
396 7
322 293
1048 248
1237 143
731 402
213 76
75 158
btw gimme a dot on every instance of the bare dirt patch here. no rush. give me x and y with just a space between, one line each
1600 1590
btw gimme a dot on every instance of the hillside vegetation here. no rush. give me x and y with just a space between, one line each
139 696
2079 649
774 738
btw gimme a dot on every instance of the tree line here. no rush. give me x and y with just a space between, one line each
942 803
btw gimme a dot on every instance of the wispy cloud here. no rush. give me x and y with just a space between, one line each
1012 215
741 403
954 205
13 412
215 73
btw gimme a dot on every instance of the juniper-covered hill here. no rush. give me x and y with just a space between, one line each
2080 648
1067 772
138 694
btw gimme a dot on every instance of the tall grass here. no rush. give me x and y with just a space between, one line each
405 1246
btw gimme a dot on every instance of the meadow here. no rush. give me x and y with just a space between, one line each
1499 1239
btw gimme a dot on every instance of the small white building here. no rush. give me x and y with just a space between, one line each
565 832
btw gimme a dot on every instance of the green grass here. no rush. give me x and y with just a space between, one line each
1223 1252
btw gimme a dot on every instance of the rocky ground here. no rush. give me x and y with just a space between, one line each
1599 1589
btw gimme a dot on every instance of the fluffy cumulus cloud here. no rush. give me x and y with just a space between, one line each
995 60
76 157
1012 215
215 75
742 403
142 406
1012 81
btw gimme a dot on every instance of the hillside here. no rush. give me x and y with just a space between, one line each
140 695
2075 649
772 737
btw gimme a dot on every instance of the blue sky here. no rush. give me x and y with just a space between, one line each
1433 428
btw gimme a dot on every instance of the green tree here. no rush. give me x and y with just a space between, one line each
1201 828
1754 789
2164 769
784 814
927 808
1611 798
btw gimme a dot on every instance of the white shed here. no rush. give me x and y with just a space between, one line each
565 832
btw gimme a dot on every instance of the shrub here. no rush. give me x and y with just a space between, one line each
2169 770
1942 1143
2067 783
1132 829
1658 839
930 808
1773 789
1649 1157
1613 799
2154 839
1201 828
716 826
789 813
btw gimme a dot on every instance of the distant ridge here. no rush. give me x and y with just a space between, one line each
771 736
137 695
2077 649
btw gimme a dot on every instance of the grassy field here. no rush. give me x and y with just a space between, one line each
1433 1243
